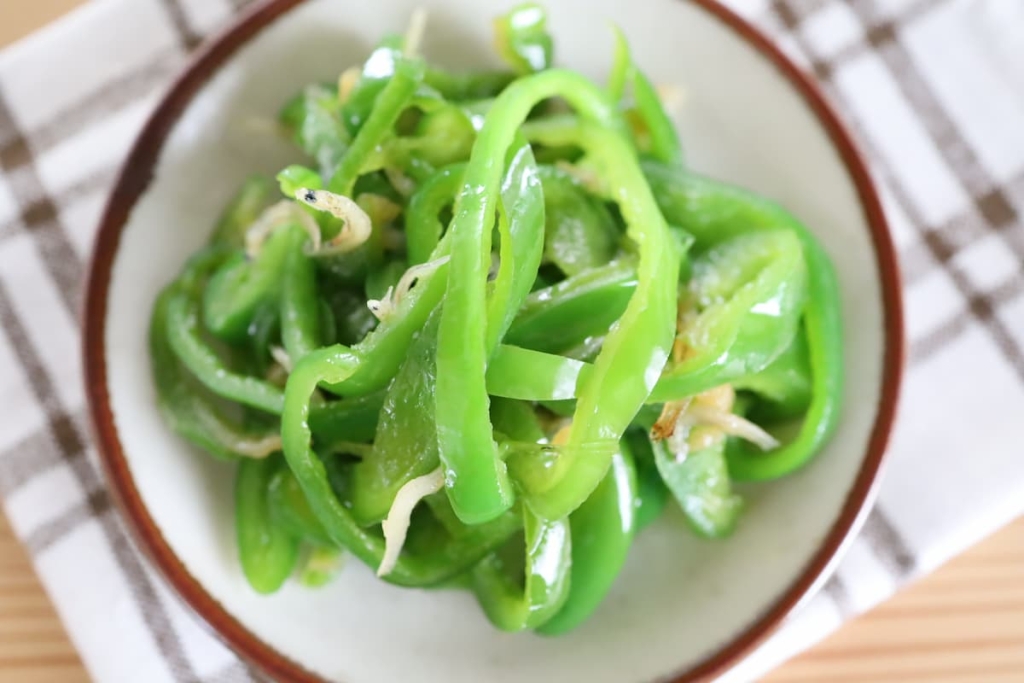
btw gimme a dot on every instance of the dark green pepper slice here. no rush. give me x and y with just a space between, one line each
784 388
525 591
602 532
405 446
183 334
579 233
241 285
473 85
268 551
185 404
564 315
301 316
651 492
423 226
700 483
290 509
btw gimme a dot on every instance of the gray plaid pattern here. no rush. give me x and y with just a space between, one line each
952 180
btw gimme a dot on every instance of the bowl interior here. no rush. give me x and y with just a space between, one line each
679 599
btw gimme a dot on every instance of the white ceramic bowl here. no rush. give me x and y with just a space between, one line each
682 607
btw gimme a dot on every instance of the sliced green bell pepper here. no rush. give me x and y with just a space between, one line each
519 594
602 532
700 483
580 233
748 293
563 315
405 445
268 551
522 39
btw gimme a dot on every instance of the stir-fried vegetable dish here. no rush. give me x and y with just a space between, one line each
487 327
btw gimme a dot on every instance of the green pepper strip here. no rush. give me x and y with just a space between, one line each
475 85
443 562
313 117
637 347
185 406
422 226
521 229
300 306
350 419
290 509
533 375
183 334
700 483
388 106
753 288
405 445
477 482
267 550
823 325
651 492
522 39
548 547
378 69
320 566
713 211
579 233
665 146
240 286
783 389
527 375
443 135
517 420
563 315
264 328
602 533
622 61
516 604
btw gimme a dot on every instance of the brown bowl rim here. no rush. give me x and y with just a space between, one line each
135 177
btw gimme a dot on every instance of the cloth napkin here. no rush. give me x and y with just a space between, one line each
934 91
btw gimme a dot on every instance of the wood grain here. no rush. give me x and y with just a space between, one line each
964 624
33 645
20 17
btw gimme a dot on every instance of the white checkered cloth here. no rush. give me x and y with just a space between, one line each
933 89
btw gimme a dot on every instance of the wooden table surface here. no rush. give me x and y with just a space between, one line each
963 624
